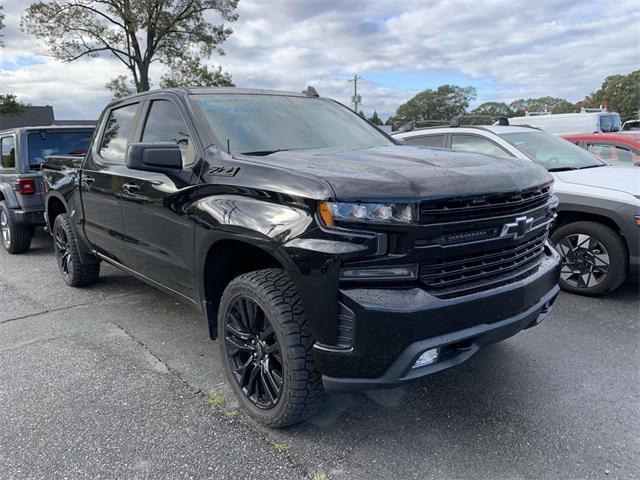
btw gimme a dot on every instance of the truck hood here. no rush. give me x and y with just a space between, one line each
401 172
622 179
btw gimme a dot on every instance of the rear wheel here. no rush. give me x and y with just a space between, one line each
74 272
594 258
266 349
15 238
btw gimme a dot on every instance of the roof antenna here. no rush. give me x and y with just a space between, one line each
310 92
228 147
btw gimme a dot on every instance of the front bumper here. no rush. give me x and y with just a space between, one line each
393 327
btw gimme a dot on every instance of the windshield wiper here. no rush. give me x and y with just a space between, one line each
561 169
592 166
263 153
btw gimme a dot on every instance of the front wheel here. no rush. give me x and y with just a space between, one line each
74 272
594 258
266 349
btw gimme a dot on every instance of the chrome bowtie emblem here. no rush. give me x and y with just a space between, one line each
517 229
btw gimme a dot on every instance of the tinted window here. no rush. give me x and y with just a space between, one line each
260 124
117 133
41 144
426 141
473 143
8 148
166 124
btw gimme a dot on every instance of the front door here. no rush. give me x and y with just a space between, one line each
101 181
159 232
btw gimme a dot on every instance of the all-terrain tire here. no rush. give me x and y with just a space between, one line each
302 393
15 238
74 272
616 249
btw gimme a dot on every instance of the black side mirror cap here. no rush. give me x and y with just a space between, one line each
154 157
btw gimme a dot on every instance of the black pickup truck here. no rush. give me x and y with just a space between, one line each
324 254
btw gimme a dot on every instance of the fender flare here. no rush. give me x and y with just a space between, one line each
9 195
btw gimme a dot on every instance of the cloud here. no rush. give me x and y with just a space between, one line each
507 49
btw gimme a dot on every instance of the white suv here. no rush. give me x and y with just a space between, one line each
598 227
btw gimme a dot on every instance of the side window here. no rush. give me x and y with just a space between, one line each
604 152
426 141
476 144
117 132
8 148
166 124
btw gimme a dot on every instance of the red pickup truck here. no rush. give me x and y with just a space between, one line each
616 148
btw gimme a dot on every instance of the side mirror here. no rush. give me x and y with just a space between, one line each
154 157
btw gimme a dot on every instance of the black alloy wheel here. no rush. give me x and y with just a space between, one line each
267 349
63 252
75 272
254 352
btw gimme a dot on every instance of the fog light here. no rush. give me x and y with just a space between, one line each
427 358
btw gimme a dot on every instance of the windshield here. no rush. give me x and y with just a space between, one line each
44 143
552 152
609 123
263 124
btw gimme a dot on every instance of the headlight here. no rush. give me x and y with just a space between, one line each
330 212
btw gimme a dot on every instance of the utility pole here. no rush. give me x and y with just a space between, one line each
356 99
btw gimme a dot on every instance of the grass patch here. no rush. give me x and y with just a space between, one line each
214 399
231 414
280 447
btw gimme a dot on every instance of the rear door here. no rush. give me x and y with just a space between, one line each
159 231
102 177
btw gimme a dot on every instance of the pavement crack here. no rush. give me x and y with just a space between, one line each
165 365
60 309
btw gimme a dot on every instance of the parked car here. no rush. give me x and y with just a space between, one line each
597 230
322 253
615 148
630 126
587 121
21 197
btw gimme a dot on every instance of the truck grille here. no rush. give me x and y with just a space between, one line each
467 274
483 207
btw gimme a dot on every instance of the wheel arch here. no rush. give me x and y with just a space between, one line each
226 259
55 206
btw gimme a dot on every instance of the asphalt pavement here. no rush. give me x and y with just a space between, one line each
119 380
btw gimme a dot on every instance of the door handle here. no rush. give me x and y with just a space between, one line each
88 181
131 188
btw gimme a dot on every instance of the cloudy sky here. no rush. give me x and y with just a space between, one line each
506 49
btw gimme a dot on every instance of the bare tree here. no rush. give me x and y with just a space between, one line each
136 32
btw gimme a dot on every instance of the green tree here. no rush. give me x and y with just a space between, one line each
493 109
621 93
136 32
189 72
553 104
10 107
444 103
375 119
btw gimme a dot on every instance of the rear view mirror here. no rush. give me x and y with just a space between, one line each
154 157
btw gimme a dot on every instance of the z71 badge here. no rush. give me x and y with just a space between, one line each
224 171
